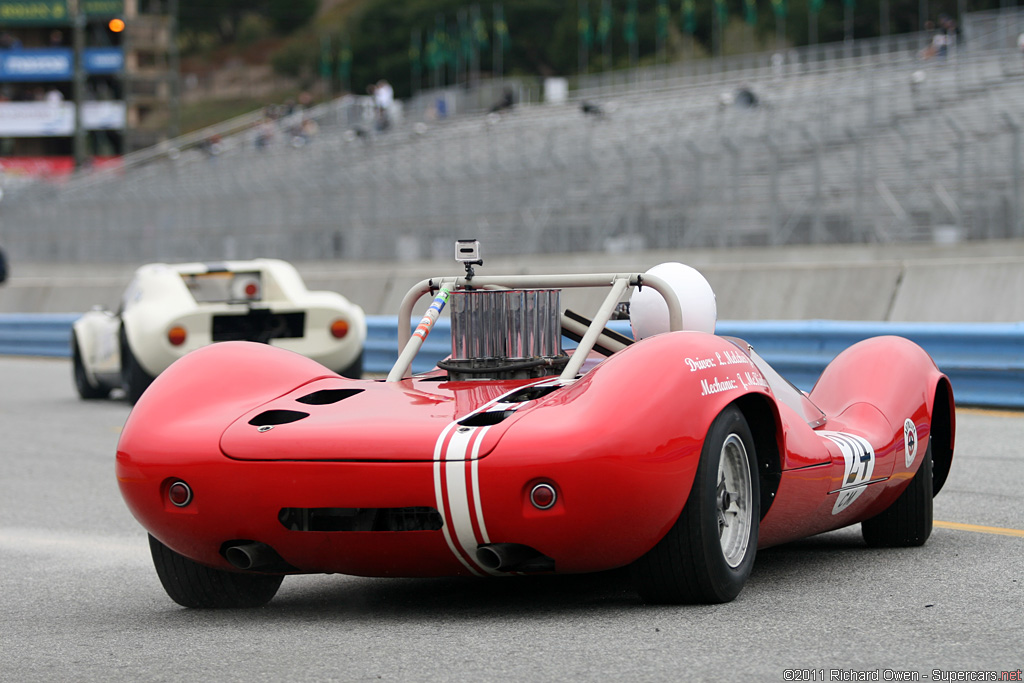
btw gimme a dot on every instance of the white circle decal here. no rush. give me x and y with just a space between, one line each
910 440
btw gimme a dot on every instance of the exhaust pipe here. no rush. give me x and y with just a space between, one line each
510 557
251 555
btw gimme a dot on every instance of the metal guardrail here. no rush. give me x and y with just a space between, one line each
984 362
36 334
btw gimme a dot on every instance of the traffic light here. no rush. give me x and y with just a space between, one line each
116 25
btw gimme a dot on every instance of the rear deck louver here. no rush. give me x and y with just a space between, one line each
360 519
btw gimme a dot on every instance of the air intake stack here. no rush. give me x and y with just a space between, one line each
505 334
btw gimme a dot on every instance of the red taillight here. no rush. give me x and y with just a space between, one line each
339 328
179 494
246 287
543 496
177 335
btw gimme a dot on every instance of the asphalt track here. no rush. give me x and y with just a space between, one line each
79 599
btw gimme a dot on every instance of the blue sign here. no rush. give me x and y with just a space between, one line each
56 64
36 64
103 60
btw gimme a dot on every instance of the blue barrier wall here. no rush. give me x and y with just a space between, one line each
985 362
36 334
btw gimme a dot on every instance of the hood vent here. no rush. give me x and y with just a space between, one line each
486 419
277 417
531 393
327 396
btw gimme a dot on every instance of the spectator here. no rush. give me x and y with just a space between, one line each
507 101
954 37
383 98
303 133
746 99
591 109
8 41
212 146
264 134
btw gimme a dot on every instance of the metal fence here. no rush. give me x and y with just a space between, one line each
856 142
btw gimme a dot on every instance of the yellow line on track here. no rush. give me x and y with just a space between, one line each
980 529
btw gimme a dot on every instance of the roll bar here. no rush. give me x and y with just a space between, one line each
409 344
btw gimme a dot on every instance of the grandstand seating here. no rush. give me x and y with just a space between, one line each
858 142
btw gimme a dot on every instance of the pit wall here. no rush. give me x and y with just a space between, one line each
978 282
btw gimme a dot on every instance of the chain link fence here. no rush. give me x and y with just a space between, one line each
856 142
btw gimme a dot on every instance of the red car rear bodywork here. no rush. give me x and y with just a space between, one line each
415 477
620 451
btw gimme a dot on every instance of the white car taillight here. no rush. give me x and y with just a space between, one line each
339 328
246 287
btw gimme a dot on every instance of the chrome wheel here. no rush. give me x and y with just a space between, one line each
734 499
708 554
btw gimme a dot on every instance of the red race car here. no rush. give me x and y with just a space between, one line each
678 452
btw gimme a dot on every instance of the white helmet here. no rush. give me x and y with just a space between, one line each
648 312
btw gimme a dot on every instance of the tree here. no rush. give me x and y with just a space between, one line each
222 17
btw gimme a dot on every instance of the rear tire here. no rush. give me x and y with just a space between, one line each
707 555
191 584
134 378
87 390
906 523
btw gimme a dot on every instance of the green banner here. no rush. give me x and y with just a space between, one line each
604 24
629 32
102 8
751 12
325 57
663 16
479 28
583 23
689 15
723 12
345 62
501 28
54 12
34 12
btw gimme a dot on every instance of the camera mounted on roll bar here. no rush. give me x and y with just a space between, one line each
467 252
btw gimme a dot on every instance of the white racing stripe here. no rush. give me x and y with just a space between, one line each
475 473
462 456
458 493
439 497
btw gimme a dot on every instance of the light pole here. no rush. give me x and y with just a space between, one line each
79 142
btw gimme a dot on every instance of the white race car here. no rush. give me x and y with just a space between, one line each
169 310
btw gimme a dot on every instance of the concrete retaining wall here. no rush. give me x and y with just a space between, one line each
970 282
